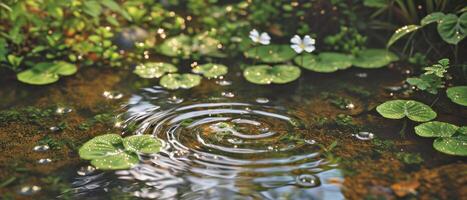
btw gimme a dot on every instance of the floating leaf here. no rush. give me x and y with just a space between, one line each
453 29
271 53
110 151
374 58
154 69
211 70
436 129
206 45
431 18
324 62
176 81
456 145
176 46
414 110
458 94
265 74
401 32
45 72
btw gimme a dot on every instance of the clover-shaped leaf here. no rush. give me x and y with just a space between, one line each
46 72
176 81
265 74
154 69
271 53
458 94
211 70
453 29
414 110
436 129
374 58
324 62
111 152
456 145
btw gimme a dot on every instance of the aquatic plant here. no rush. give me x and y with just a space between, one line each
436 129
271 53
262 38
154 69
184 81
185 46
211 70
414 110
112 152
46 73
458 94
433 77
373 58
450 139
265 74
325 62
306 44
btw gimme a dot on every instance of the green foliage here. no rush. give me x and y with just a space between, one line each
456 145
401 32
211 70
325 62
111 152
436 129
348 40
265 74
458 94
432 79
271 53
46 73
183 81
410 158
154 69
374 58
414 110
185 46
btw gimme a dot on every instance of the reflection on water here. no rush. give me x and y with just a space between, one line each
220 148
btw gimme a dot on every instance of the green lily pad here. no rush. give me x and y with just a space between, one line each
178 46
46 73
211 70
401 32
206 45
453 29
436 129
271 53
265 74
374 58
176 81
414 110
458 94
456 145
111 152
154 69
325 62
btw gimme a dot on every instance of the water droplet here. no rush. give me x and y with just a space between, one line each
228 94
235 141
262 100
264 129
361 75
40 148
350 106
112 95
393 88
44 161
63 110
174 100
310 141
364 135
224 82
83 171
54 128
307 180
29 190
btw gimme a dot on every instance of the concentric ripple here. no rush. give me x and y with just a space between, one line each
226 149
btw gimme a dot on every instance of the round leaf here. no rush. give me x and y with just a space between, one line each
398 109
271 53
142 144
324 62
154 70
436 129
101 147
452 145
401 32
176 46
265 74
374 58
46 73
117 161
211 70
176 81
458 94
453 29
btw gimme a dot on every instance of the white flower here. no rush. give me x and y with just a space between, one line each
299 45
257 38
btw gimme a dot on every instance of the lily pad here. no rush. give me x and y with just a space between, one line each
456 145
414 110
110 151
436 129
271 53
211 70
154 69
176 46
325 62
453 29
46 73
374 58
265 74
401 32
458 94
176 81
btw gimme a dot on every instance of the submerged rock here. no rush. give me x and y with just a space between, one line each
127 38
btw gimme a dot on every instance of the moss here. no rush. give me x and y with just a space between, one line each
336 100
51 142
410 158
28 115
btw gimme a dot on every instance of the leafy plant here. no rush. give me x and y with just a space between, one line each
374 58
46 73
154 69
450 139
211 70
265 74
111 152
433 77
176 81
458 94
324 62
271 53
414 110
436 129
185 46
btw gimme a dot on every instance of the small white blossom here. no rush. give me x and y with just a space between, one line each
262 38
299 45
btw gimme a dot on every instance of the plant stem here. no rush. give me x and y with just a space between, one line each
402 131
434 101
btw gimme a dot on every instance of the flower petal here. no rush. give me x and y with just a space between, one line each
308 40
254 35
296 39
310 48
264 38
296 48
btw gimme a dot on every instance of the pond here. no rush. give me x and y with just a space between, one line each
251 100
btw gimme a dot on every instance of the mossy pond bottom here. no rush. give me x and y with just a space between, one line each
317 138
